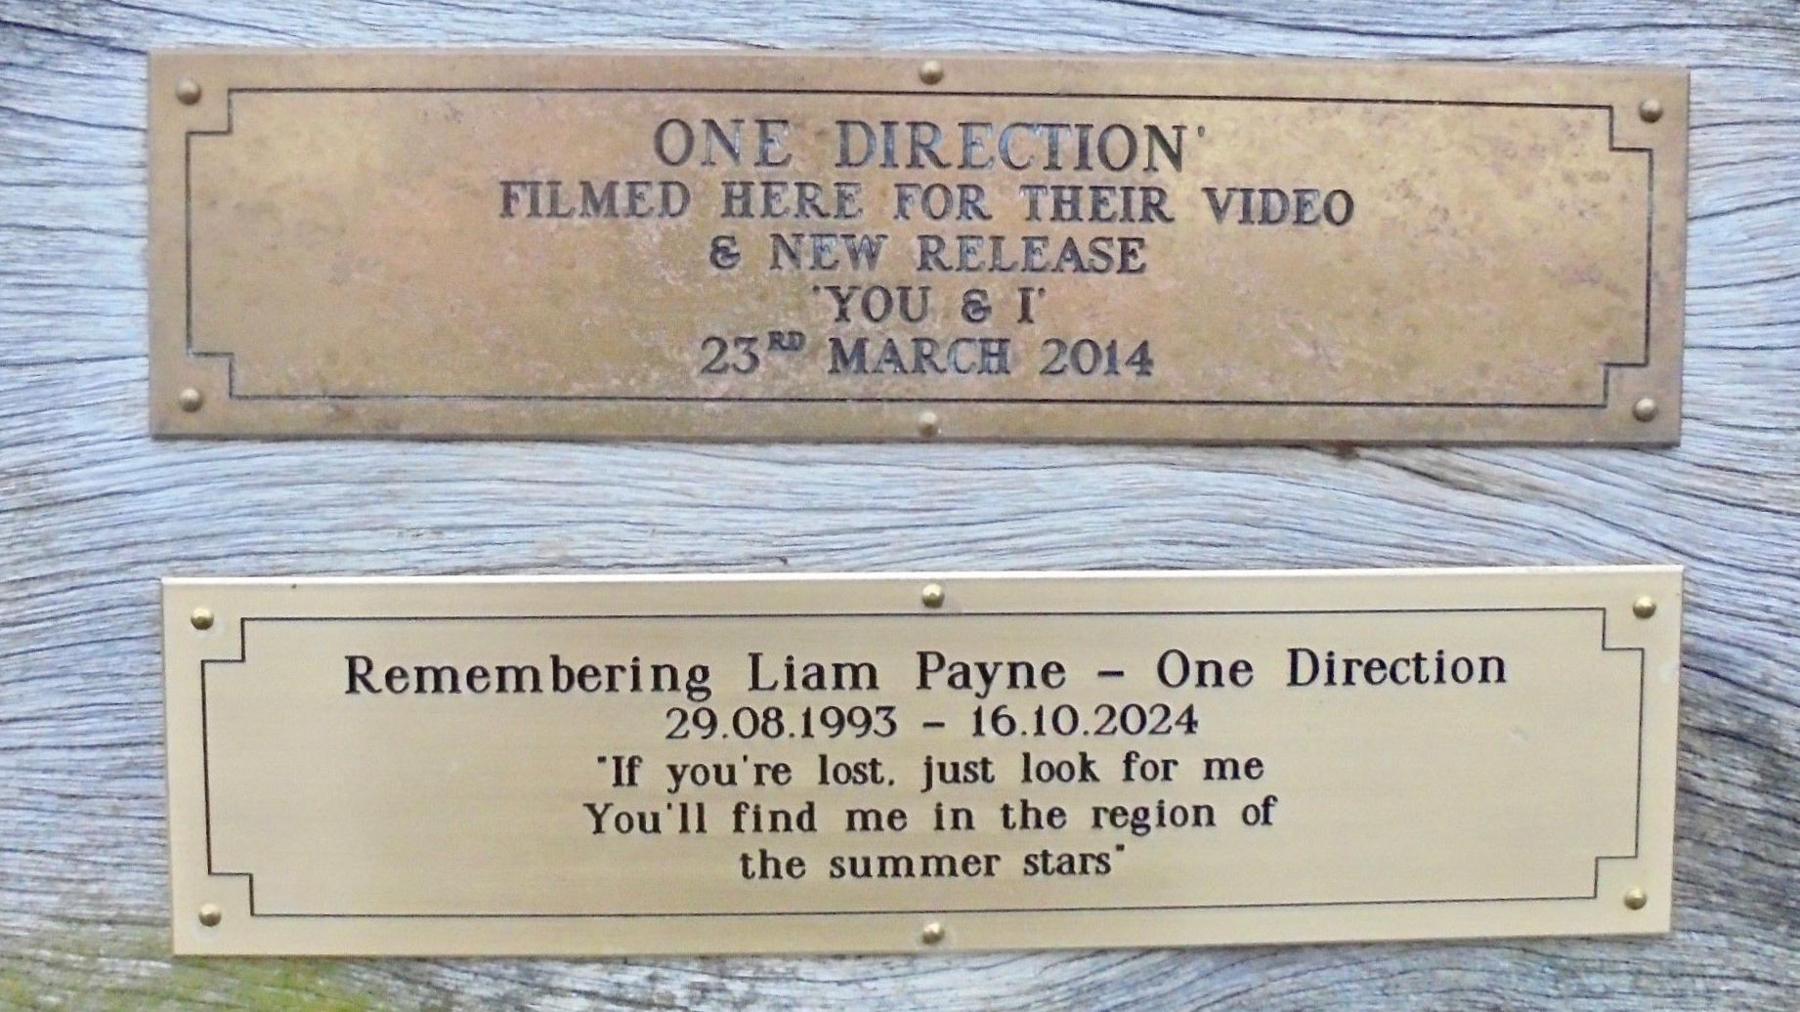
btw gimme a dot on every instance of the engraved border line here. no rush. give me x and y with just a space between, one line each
250 877
230 357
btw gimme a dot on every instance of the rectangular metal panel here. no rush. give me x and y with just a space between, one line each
898 763
966 246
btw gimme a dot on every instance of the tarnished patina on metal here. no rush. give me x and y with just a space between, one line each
817 246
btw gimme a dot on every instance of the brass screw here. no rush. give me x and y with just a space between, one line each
1635 898
1644 409
931 72
928 424
1644 607
932 596
190 399
211 915
933 933
1650 109
202 618
188 91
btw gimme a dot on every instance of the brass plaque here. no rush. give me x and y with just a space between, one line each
897 764
970 246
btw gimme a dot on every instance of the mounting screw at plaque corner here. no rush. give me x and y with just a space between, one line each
190 399
932 933
211 915
1644 607
932 596
1645 409
202 618
188 91
1650 110
1635 898
931 72
928 424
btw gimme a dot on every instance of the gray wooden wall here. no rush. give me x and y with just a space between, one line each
92 512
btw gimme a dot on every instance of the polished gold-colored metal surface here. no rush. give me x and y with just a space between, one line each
739 246
820 764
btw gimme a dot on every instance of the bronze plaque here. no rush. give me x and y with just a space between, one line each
967 246
897 764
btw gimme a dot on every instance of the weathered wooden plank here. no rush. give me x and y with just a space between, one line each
92 512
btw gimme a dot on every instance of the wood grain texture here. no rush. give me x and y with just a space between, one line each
92 512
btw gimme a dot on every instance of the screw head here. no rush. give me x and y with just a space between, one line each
1650 110
211 915
928 424
931 72
932 933
190 399
1644 409
932 596
1635 898
202 618
1644 607
188 91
